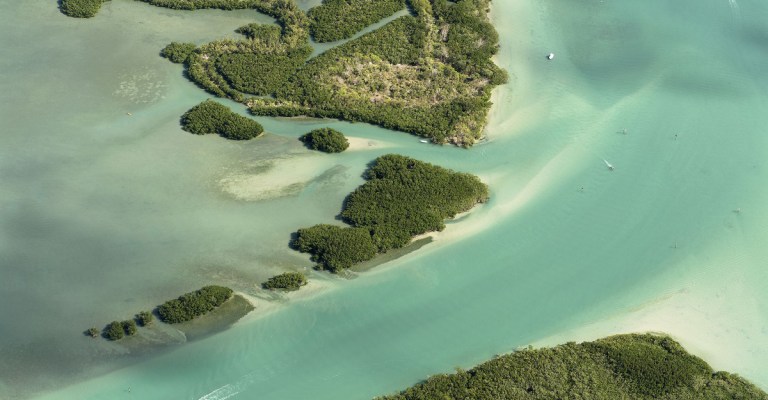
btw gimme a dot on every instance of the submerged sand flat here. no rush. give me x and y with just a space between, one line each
103 214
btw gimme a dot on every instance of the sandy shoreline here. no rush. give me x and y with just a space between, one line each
275 300
708 317
360 144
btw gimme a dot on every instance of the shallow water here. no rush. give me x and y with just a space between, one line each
103 214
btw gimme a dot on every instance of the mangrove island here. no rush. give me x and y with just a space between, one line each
638 367
326 140
402 198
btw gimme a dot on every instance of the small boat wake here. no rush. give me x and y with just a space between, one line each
735 9
223 392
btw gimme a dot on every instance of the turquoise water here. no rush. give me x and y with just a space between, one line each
103 214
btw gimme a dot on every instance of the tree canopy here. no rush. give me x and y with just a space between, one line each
402 198
286 281
212 117
81 8
178 52
193 304
341 19
326 140
637 367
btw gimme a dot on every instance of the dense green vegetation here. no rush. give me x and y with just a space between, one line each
261 73
184 308
80 8
405 197
114 331
402 198
286 281
129 326
212 117
637 367
261 62
335 248
430 73
145 318
193 304
326 140
423 74
341 19
178 52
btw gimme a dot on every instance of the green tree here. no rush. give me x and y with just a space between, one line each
326 140
114 331
335 248
145 318
80 8
178 52
341 19
129 326
193 304
212 117
637 367
402 198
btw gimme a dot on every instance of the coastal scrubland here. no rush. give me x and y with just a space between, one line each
212 117
402 198
429 73
341 19
638 367
326 140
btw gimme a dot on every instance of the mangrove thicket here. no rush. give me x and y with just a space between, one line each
401 198
212 117
326 140
637 367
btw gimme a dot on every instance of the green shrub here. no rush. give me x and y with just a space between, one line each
178 52
193 304
287 281
145 318
341 19
335 248
261 74
655 365
212 117
92 332
326 140
114 331
267 33
584 371
402 198
80 8
129 326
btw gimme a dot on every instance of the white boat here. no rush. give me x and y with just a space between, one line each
424 141
550 56
607 164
